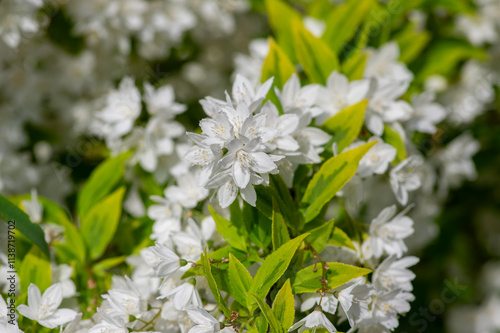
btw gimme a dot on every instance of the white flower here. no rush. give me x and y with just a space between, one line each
385 108
43 309
456 161
383 65
33 207
62 274
123 106
328 302
188 191
393 274
184 296
388 232
206 323
312 322
243 91
250 66
167 216
127 299
109 324
162 101
338 94
426 113
478 29
403 178
168 262
387 305
295 98
377 159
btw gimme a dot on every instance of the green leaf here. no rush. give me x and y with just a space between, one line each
102 181
207 271
343 22
411 43
240 279
280 232
277 65
259 224
74 240
284 305
269 314
10 212
35 268
330 178
99 225
354 66
108 263
445 54
273 267
280 19
346 125
317 59
306 280
234 236
340 238
394 139
319 236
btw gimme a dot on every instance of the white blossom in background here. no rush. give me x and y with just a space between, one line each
122 108
33 207
338 94
479 29
456 162
184 296
167 262
44 309
383 65
250 66
387 232
376 160
404 178
393 274
329 302
426 113
18 21
205 322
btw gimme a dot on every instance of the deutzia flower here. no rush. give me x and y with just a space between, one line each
387 305
426 113
313 321
393 274
383 65
295 98
243 91
184 296
385 108
168 262
338 94
377 159
162 101
403 178
43 309
123 106
328 302
188 191
388 232
205 322
126 298
111 324
33 207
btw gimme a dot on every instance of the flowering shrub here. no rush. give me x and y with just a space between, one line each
295 198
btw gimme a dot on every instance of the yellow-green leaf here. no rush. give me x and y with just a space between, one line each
277 65
234 236
284 305
99 225
317 59
207 271
306 280
240 279
35 268
280 19
280 232
354 66
340 238
346 125
330 178
394 139
269 315
343 22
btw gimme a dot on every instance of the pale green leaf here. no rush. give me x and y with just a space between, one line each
280 19
35 268
284 305
233 235
330 178
240 279
340 238
207 271
306 280
394 139
317 59
102 181
99 225
319 236
346 125
277 65
269 315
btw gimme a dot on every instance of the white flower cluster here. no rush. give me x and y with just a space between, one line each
243 141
